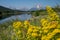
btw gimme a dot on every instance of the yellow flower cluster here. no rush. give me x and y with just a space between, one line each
44 22
58 38
52 14
49 27
32 31
50 35
34 34
17 24
26 22
17 30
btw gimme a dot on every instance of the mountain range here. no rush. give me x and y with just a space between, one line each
2 8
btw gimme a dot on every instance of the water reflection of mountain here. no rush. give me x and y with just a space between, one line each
19 17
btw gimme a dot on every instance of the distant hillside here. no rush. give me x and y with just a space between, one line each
5 9
33 9
6 12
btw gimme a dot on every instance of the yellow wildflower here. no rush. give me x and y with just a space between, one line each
35 30
26 22
53 24
58 26
44 22
50 35
17 24
46 30
29 30
34 34
43 38
58 38
52 15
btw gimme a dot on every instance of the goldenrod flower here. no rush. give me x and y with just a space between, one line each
17 24
58 26
58 38
35 30
26 22
50 35
29 30
53 24
44 22
34 34
52 14
43 37
46 30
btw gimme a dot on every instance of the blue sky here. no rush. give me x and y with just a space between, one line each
27 3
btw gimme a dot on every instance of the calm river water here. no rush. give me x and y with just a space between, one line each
19 17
